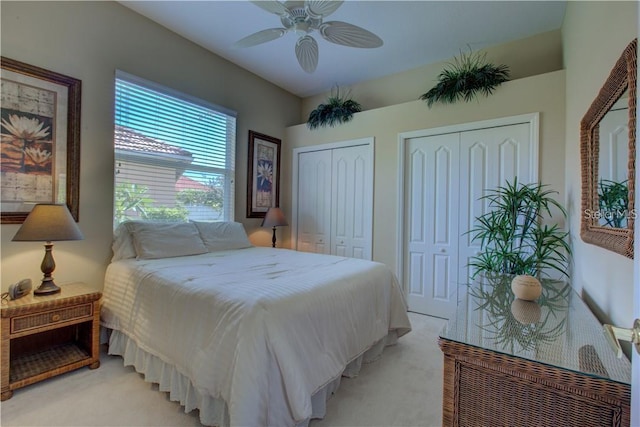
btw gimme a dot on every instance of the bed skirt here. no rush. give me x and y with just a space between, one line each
213 411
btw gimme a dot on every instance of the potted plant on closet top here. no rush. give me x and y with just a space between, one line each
513 237
465 77
338 109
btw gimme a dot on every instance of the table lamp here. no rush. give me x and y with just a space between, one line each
48 223
274 218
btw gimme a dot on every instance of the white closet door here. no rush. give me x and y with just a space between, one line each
445 176
488 158
352 193
432 233
314 202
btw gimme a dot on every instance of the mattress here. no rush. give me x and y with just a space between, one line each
256 331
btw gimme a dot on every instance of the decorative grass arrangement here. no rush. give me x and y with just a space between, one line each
513 239
468 75
337 110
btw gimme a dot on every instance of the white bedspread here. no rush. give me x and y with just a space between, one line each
260 328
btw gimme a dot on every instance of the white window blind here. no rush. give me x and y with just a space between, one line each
174 155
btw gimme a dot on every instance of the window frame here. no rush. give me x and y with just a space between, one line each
229 150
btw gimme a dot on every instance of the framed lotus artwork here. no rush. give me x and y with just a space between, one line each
40 139
263 181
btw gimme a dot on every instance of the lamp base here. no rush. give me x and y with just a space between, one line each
47 288
273 239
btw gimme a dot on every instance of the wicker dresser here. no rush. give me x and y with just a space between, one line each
44 336
509 362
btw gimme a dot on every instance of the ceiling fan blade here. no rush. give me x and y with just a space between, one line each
272 6
322 8
307 53
349 35
261 37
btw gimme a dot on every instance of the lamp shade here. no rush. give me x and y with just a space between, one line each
274 218
48 222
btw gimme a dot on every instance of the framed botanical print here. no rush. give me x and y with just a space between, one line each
263 181
40 136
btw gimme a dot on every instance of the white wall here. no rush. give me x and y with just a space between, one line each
543 93
89 41
594 35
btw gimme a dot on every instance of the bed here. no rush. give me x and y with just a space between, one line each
250 336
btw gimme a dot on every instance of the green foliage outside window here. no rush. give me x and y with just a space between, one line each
132 202
164 213
213 197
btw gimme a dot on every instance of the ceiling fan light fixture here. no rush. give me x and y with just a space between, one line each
302 28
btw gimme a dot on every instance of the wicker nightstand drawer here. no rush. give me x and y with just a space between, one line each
33 321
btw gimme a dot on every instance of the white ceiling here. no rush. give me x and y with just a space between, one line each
415 33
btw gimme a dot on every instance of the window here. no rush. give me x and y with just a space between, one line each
174 155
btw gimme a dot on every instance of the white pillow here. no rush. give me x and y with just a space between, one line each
122 245
220 236
154 240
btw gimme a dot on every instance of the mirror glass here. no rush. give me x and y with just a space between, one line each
613 171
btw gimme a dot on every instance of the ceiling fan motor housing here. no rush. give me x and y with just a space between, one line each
300 22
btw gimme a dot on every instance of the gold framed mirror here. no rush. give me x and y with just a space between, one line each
607 151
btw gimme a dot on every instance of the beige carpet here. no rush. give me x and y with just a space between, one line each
403 388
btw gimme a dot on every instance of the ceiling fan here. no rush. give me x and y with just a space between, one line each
305 17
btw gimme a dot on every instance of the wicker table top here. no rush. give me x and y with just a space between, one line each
557 330
70 293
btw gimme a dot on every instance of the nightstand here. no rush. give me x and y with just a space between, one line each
45 336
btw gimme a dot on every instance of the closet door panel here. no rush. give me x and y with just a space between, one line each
489 158
314 202
342 209
334 200
351 202
474 179
432 235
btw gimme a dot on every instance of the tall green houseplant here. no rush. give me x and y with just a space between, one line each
512 235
